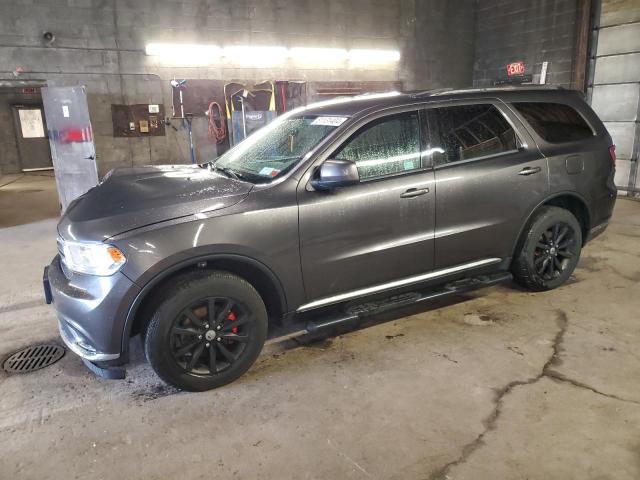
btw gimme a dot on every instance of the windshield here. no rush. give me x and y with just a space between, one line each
275 149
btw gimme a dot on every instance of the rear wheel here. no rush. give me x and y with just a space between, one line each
549 251
208 332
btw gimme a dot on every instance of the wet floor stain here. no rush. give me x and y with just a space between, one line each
390 337
445 356
154 392
479 319
321 343
515 350
589 263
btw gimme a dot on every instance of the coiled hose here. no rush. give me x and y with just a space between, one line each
219 133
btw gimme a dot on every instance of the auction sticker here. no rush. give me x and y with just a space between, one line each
329 121
269 172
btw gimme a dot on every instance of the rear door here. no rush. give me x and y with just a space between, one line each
489 176
379 230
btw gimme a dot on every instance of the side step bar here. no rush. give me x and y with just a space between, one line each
363 310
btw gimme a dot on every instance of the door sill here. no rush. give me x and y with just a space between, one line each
363 292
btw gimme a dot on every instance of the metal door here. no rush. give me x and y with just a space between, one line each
71 141
31 137
366 234
379 230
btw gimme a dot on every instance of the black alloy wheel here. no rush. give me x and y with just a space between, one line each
207 330
548 249
210 335
554 251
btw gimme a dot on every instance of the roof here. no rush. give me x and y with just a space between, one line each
351 106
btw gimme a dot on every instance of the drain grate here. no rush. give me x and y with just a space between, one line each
33 358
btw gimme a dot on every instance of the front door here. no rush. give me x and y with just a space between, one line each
489 177
71 140
31 138
379 230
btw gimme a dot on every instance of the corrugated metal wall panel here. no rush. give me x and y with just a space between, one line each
616 83
616 102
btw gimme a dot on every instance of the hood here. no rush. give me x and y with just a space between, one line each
130 198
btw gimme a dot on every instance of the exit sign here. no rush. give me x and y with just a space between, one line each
515 68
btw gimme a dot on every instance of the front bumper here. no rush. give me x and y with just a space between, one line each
80 346
91 310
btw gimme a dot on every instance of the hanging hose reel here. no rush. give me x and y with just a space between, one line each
216 131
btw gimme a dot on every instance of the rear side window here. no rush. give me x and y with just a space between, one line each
387 146
469 131
554 122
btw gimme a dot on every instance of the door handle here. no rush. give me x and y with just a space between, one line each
90 157
414 192
529 170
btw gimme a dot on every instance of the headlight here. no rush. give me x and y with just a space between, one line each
92 258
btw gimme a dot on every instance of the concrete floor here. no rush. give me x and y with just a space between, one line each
494 385
27 198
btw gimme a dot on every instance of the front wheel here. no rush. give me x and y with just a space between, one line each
549 250
207 332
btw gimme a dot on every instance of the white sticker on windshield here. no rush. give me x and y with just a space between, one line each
329 121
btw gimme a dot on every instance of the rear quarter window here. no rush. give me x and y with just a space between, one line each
555 122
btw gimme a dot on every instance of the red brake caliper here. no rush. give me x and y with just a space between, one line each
232 317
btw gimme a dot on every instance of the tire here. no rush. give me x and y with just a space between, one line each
549 249
200 315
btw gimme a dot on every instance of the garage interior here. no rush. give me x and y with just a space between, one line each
498 383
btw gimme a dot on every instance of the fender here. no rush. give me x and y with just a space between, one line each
574 194
175 267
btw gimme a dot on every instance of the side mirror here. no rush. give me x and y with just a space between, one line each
335 173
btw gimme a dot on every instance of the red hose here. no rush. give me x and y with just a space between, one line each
284 98
219 133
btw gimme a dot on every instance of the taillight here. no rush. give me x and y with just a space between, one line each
612 154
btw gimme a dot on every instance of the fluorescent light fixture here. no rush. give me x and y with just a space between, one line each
184 53
194 54
318 54
370 56
246 55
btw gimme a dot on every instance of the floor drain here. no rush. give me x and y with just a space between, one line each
33 358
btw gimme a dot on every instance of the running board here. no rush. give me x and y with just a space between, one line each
363 310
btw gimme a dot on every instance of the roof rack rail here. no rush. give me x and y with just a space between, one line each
427 93
506 88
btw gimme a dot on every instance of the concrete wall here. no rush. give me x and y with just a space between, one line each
439 53
100 43
532 31
615 94
10 158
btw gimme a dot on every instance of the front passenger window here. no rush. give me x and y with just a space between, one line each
386 146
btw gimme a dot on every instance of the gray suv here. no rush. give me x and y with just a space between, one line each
333 212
